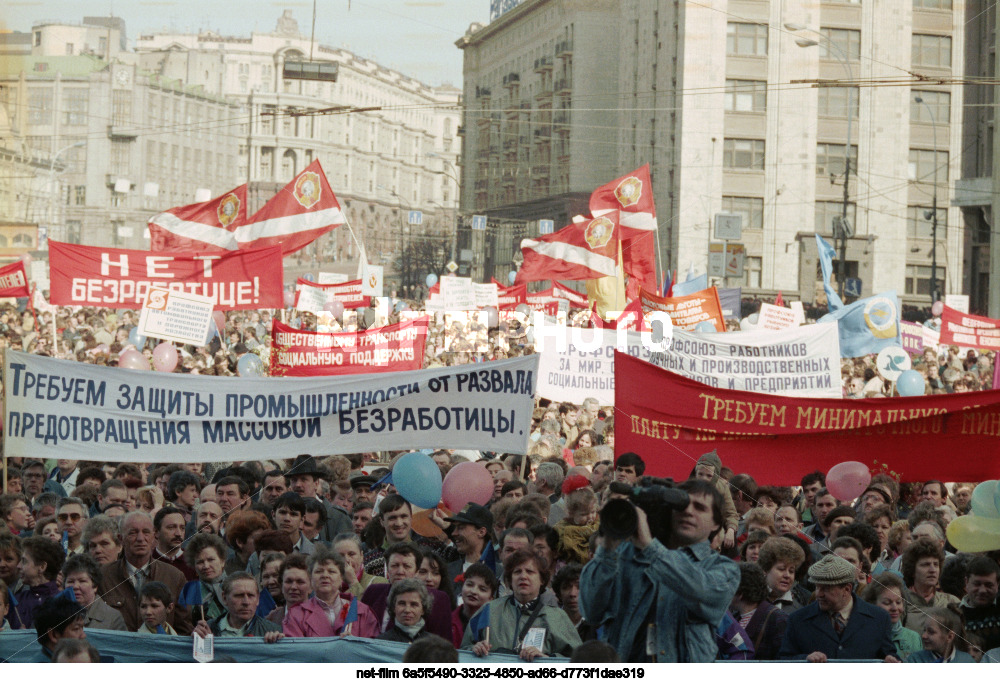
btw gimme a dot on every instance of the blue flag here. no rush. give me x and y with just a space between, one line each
868 325
826 254
265 604
691 286
489 556
65 541
667 279
352 612
479 622
160 630
68 593
191 594
10 597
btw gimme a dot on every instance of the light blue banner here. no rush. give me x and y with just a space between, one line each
826 254
868 326
693 285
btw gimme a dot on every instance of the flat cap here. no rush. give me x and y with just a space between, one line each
832 570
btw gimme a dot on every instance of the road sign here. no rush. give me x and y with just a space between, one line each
415 217
852 287
478 222
725 260
452 266
546 226
728 226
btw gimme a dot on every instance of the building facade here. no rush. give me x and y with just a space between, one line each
742 107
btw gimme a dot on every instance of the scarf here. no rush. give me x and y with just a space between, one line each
412 630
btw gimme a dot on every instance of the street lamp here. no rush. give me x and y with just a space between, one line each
934 218
52 178
402 236
458 192
845 62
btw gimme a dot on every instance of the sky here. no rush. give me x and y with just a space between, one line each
415 37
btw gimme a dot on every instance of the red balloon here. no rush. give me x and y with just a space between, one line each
848 480
165 357
467 482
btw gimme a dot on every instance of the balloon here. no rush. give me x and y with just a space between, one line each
400 306
335 308
431 279
213 331
132 359
937 308
135 338
705 327
250 366
910 383
308 277
492 316
418 479
974 534
745 324
466 482
984 500
753 319
524 309
219 318
289 299
511 276
848 480
529 336
26 259
102 348
165 357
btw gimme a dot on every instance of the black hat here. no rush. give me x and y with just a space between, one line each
305 464
475 514
363 481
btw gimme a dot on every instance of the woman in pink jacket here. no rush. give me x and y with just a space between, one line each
324 613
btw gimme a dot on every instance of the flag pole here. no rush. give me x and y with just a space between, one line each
3 372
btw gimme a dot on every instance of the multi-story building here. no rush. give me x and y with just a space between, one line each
111 146
746 107
387 142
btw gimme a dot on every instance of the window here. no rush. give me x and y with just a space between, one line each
745 154
827 210
918 280
935 108
751 272
932 4
73 230
934 51
119 157
102 44
121 108
75 107
833 102
750 208
846 43
924 163
80 195
749 96
40 106
830 158
69 49
746 40
919 226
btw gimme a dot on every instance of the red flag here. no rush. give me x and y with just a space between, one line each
586 250
631 318
302 211
632 195
779 301
14 280
206 226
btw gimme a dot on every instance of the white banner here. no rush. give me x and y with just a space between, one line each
176 316
331 278
776 317
458 293
486 295
801 361
58 408
311 299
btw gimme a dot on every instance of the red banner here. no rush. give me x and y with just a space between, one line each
778 440
348 293
575 298
511 297
687 311
964 329
395 348
248 279
14 281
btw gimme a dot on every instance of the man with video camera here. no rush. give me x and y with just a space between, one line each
655 584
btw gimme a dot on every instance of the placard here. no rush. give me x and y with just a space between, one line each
176 316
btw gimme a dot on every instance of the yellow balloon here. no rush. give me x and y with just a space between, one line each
974 534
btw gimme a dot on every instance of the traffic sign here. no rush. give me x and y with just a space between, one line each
415 217
478 222
728 226
546 226
452 266
852 287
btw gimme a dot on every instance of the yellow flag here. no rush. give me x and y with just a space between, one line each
609 292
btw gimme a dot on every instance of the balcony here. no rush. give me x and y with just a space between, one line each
564 49
123 132
526 104
561 118
509 144
483 92
564 85
543 64
543 134
482 185
540 171
545 93
524 140
508 178
512 80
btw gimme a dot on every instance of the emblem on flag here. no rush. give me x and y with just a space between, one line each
598 232
880 316
228 209
307 189
629 191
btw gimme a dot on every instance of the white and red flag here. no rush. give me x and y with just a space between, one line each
582 250
303 210
206 226
632 196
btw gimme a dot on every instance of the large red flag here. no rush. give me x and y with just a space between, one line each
632 195
206 226
585 250
302 211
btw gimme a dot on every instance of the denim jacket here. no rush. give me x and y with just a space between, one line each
691 588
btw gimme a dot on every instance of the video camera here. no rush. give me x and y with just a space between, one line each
658 498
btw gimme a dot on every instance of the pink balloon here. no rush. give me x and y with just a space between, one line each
102 348
467 482
132 359
937 308
220 320
289 299
335 308
848 480
165 357
26 259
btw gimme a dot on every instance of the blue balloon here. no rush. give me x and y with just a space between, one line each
418 479
511 276
309 277
431 280
136 339
910 383
705 327
250 366
984 500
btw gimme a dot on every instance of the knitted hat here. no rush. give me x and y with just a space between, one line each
832 570
574 482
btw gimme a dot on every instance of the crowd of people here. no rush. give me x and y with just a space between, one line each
559 562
